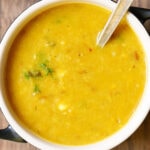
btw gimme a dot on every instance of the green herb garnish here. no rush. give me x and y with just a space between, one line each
47 69
32 74
27 75
36 89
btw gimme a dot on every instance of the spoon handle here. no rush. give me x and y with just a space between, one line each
113 21
10 134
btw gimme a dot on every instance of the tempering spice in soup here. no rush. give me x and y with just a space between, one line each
65 88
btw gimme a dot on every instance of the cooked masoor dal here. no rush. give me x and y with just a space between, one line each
66 89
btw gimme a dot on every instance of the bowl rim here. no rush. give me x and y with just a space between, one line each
113 140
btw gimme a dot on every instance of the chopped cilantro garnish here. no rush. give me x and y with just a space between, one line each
36 89
32 74
47 69
27 75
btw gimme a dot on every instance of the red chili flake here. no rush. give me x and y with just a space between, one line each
136 55
90 49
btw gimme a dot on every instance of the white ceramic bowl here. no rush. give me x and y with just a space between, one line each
108 143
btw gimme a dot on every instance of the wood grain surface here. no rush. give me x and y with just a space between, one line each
9 10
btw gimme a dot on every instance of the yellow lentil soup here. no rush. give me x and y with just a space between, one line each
64 87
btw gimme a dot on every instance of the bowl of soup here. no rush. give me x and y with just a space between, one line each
59 90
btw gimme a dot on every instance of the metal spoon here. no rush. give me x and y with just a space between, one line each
10 134
113 21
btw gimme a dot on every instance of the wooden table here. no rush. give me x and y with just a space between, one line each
9 10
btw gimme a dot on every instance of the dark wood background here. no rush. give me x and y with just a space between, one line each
9 10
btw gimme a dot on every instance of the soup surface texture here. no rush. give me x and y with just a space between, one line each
66 89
